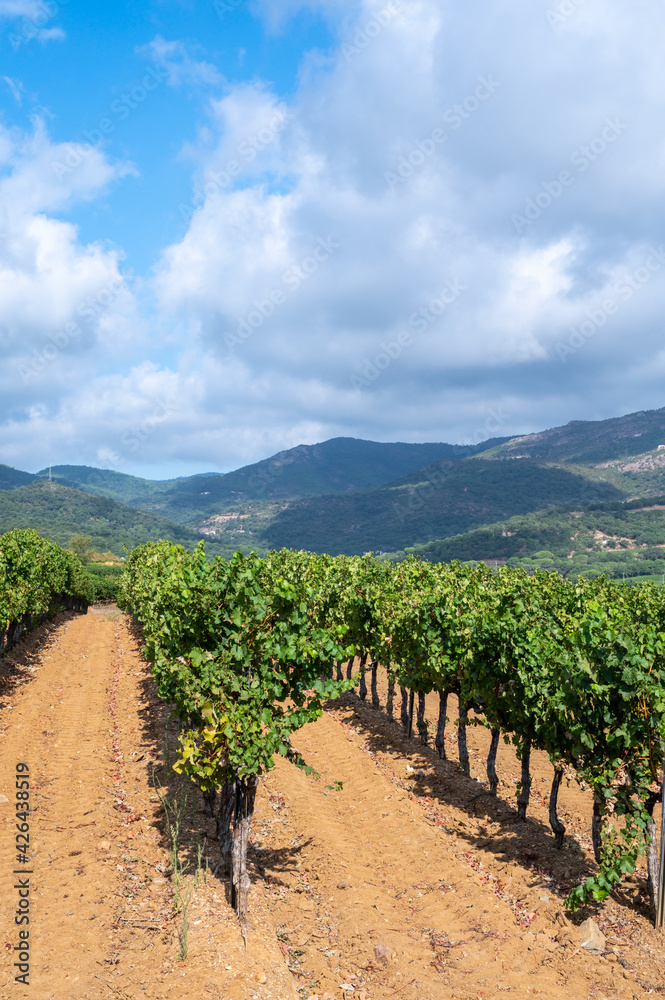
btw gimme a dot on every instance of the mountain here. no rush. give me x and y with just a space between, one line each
107 483
442 499
58 512
350 495
590 442
620 539
337 466
11 478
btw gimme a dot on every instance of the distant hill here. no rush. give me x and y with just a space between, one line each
11 478
589 441
58 512
440 500
619 539
350 495
337 466
108 483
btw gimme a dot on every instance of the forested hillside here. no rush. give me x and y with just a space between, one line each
619 539
351 496
444 499
57 512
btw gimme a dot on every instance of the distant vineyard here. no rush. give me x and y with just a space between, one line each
36 577
248 650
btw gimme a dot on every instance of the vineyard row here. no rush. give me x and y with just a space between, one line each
246 649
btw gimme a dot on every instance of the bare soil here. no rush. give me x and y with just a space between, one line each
409 881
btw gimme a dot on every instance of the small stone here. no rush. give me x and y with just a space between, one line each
343 885
592 938
104 845
262 978
543 940
3 798
382 952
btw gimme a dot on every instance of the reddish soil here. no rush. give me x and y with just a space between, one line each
409 882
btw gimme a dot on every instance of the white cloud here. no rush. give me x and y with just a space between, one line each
15 88
180 63
33 15
66 308
45 35
408 152
20 8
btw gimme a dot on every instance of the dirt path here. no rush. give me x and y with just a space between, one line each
84 716
408 882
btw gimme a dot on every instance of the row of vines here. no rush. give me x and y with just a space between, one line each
37 577
248 650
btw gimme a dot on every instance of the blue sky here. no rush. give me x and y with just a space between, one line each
229 228
89 74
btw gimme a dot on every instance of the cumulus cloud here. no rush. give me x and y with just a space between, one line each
518 161
451 228
179 62
65 307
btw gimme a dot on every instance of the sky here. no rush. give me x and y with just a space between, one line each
228 227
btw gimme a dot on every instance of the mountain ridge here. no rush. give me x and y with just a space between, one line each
351 495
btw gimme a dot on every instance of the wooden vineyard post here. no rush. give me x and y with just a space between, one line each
660 903
492 776
411 699
404 710
422 725
440 741
362 690
375 694
390 701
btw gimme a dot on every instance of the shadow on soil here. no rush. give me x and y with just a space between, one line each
182 810
529 844
18 665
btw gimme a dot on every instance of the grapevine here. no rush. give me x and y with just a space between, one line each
247 650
